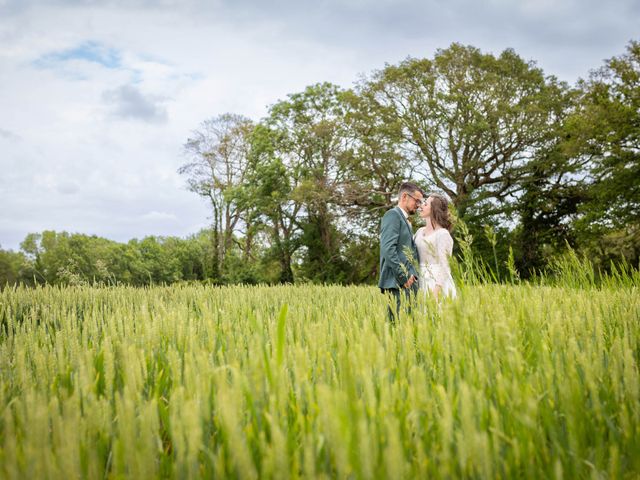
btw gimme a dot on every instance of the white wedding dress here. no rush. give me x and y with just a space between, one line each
434 251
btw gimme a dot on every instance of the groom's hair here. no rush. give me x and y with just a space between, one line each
409 187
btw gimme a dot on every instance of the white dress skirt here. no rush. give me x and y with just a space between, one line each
434 251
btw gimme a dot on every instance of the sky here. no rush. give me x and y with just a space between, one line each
97 98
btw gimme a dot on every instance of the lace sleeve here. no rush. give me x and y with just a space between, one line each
444 248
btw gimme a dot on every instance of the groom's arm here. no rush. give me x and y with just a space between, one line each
389 234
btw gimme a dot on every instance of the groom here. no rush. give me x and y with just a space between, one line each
398 252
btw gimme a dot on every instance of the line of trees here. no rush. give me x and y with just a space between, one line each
540 165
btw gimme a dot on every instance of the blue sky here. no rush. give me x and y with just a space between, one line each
98 97
89 51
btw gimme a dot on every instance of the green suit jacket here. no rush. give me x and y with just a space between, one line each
398 252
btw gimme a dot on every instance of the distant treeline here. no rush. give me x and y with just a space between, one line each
533 166
76 259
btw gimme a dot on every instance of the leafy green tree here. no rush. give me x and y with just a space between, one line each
155 262
15 268
471 122
51 255
473 126
548 206
31 248
606 131
69 258
312 142
267 198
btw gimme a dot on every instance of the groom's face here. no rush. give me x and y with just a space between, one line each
413 201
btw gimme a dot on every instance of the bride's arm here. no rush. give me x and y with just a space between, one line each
444 247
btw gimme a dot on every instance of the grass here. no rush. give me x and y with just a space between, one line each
508 381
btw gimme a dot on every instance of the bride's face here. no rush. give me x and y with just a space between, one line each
425 211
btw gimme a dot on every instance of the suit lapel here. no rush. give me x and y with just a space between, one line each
406 222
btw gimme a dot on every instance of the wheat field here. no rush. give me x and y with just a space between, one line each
507 381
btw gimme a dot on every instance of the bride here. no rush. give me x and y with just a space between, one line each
435 245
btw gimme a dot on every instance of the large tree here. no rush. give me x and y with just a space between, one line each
266 197
313 143
472 121
377 162
218 160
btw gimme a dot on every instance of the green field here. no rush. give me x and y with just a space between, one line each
309 381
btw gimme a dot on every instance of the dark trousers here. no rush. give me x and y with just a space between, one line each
402 297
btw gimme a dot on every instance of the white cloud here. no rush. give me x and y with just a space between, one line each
128 102
159 216
8 135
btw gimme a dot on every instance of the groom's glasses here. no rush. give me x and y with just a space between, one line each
419 201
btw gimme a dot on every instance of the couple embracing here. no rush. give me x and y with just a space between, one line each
410 263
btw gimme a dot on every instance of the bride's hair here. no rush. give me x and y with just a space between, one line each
440 211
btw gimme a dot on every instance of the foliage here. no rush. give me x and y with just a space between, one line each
14 268
218 154
472 121
313 143
266 196
606 131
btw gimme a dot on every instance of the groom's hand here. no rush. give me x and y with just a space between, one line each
412 279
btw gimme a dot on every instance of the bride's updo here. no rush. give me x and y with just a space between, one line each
440 211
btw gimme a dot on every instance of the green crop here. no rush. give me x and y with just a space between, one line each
507 381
